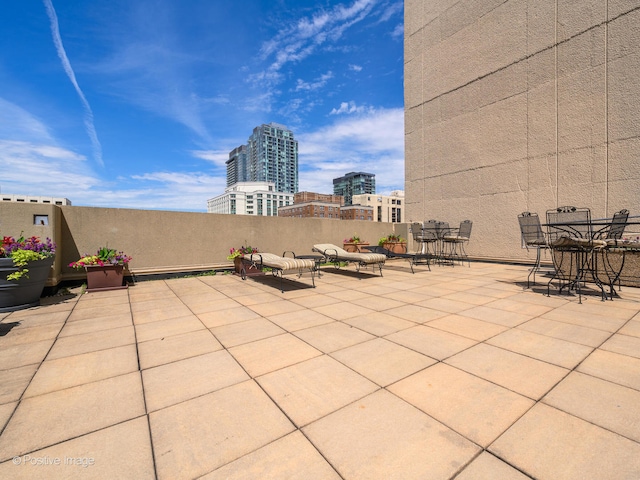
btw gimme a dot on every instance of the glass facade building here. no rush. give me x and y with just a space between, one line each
354 183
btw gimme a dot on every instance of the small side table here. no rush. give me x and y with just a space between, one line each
318 259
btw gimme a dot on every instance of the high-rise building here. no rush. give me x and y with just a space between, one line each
237 166
273 157
354 183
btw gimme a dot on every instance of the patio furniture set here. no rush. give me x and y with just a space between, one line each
582 249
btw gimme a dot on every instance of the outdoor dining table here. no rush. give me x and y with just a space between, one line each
588 251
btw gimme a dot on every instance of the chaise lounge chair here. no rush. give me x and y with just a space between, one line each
413 258
279 266
334 254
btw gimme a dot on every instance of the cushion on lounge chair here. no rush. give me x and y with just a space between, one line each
272 260
331 250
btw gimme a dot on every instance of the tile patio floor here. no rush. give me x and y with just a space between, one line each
454 373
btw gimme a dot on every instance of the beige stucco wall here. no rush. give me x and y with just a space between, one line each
165 241
520 105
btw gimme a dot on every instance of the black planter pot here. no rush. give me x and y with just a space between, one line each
25 292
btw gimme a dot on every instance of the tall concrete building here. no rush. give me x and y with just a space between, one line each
237 166
354 183
520 105
271 155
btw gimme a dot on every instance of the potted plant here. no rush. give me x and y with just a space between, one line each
237 254
353 243
25 264
105 269
394 243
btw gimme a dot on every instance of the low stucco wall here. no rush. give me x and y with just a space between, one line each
166 241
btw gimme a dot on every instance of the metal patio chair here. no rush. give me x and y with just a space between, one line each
453 242
532 236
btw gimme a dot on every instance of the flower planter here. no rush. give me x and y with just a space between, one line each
354 247
109 277
25 292
250 270
396 247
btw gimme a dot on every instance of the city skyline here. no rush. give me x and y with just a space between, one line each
138 105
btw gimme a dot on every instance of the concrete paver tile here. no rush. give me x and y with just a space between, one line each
548 349
590 337
511 305
475 408
333 336
624 344
120 451
526 376
176 347
407 296
165 328
145 316
6 410
91 313
431 341
196 437
343 310
381 361
24 354
274 308
446 305
467 327
245 332
44 420
603 403
616 368
378 303
496 315
89 367
549 444
631 328
103 323
14 382
382 437
309 390
585 318
298 320
227 316
35 317
91 342
273 353
379 323
312 301
416 313
468 297
14 333
488 467
292 457
186 379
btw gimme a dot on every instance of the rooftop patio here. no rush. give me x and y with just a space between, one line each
450 373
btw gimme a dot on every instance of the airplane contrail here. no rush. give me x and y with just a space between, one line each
88 114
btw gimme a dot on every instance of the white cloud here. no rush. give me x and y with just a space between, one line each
348 108
355 68
217 157
66 65
296 43
316 84
371 142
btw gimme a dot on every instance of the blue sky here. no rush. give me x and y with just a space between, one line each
136 104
